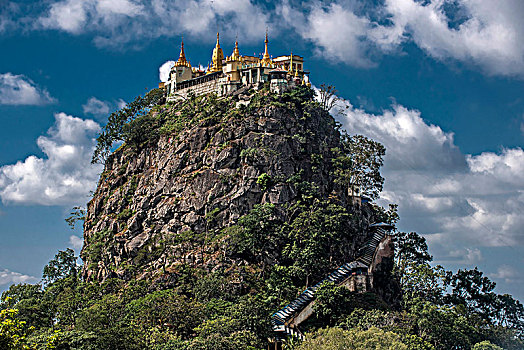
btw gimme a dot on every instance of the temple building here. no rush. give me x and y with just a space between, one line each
225 75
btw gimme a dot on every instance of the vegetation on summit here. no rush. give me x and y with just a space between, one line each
264 260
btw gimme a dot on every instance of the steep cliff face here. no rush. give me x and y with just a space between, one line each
158 203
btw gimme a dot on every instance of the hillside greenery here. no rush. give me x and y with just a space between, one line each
229 307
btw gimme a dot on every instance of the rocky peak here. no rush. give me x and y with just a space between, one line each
209 164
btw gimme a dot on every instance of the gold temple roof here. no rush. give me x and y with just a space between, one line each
266 60
182 61
218 56
235 56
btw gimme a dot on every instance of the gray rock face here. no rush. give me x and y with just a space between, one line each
204 175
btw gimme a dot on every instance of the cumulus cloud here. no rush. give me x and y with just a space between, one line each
75 242
451 197
100 108
338 33
20 90
487 34
64 176
467 256
163 71
165 68
10 277
506 273
95 106
115 23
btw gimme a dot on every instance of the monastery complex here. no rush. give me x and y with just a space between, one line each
226 75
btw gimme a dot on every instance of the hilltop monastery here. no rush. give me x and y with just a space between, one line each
226 75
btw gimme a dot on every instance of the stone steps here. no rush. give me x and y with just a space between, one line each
280 318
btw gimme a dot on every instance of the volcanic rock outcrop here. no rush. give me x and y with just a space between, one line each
200 175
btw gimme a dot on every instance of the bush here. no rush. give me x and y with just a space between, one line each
354 339
264 181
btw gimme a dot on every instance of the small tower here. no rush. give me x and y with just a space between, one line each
266 60
235 56
218 57
182 61
181 70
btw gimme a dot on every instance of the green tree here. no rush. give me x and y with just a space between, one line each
354 339
473 290
411 247
77 214
510 313
421 280
63 265
357 165
444 327
29 300
258 237
115 131
13 332
486 345
318 238
328 96
332 303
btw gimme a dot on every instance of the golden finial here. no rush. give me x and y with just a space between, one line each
218 56
236 53
266 60
182 61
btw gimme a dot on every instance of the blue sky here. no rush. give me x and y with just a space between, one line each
439 82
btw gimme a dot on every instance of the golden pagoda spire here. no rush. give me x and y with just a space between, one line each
182 61
266 60
218 56
236 53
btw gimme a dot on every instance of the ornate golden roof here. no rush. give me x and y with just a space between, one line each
218 57
266 60
235 56
182 62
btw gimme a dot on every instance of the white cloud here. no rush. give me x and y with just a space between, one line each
163 71
468 256
65 176
401 129
507 273
95 106
70 16
488 33
10 277
337 32
120 103
76 242
119 7
117 22
483 33
19 90
99 108
451 197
